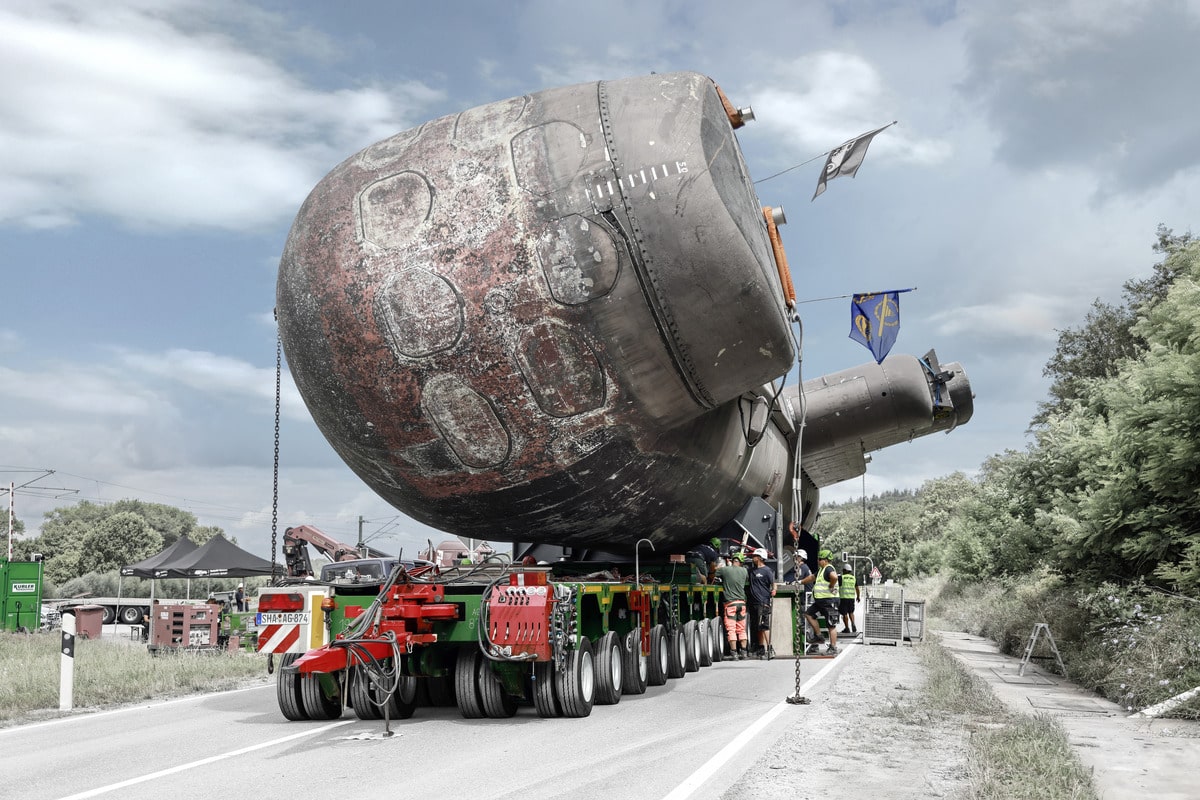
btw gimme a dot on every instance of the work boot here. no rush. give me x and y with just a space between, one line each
740 655
770 652
831 651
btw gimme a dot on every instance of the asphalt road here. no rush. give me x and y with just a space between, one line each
694 737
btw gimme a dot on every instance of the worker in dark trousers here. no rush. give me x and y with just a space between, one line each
848 592
762 591
825 602
703 557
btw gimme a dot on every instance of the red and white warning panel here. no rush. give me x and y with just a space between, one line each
290 620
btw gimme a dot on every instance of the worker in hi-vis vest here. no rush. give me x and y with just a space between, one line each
849 593
825 602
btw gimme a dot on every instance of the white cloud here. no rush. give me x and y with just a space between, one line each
1008 318
10 341
77 389
1096 84
215 375
822 99
126 110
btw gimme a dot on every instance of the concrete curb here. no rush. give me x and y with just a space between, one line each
1129 755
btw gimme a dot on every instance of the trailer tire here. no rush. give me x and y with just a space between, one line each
544 699
691 638
130 615
365 697
637 666
717 639
496 701
317 704
109 616
466 682
610 669
404 699
575 685
706 647
677 649
287 690
658 667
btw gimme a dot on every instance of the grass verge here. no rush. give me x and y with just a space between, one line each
1010 756
108 673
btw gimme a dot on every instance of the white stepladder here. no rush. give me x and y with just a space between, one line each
1038 629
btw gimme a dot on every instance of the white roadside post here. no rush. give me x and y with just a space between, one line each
66 672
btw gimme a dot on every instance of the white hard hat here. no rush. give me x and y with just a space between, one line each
802 554
761 553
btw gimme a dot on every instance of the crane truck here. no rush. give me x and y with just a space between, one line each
562 320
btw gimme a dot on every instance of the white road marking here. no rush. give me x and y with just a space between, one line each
700 776
112 787
89 715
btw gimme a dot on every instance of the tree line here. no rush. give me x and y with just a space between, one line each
1109 488
91 537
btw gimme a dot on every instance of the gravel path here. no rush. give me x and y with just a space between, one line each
864 735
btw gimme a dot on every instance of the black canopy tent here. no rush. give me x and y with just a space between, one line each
218 558
146 567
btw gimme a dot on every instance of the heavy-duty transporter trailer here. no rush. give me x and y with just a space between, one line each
486 638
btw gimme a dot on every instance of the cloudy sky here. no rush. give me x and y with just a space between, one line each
154 152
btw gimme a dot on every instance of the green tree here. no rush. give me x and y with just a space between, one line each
119 539
1108 338
70 535
1111 479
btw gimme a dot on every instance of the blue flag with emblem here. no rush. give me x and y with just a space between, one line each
875 321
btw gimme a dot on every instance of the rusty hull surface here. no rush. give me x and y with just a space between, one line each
535 320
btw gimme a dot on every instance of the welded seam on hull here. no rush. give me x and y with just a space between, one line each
663 319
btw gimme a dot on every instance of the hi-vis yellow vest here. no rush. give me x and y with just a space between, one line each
848 582
821 590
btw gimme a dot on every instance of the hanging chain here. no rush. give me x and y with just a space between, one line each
275 487
798 638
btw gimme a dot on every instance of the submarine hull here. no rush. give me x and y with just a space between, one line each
542 319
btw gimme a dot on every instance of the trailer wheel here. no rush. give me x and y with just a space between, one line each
705 642
610 667
130 615
659 664
691 653
466 682
287 690
496 701
677 648
637 666
318 704
544 699
109 616
367 698
404 699
361 697
717 639
576 684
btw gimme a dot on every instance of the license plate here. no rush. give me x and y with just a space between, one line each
281 618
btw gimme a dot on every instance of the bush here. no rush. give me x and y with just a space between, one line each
1134 645
1143 647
